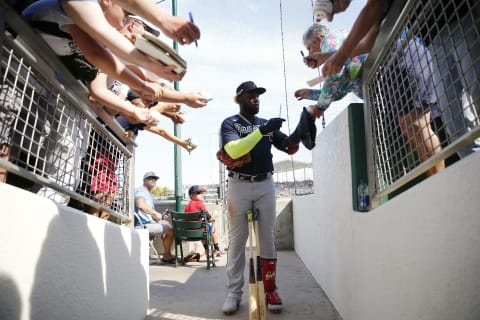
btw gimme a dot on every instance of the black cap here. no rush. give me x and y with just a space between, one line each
249 86
196 189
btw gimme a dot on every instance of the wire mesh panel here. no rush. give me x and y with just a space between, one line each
54 149
422 90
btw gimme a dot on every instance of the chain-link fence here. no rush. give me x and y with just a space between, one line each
422 90
51 141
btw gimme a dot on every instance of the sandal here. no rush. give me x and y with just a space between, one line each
171 261
190 257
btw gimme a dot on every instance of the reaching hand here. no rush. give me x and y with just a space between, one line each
166 72
196 100
316 59
181 30
302 94
189 144
314 111
271 125
333 65
142 116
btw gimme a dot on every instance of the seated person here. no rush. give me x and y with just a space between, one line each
196 204
151 219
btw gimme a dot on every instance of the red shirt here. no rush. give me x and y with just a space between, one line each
195 205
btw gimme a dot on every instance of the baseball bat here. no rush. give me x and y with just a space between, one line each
252 290
262 304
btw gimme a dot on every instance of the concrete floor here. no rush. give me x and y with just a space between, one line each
193 292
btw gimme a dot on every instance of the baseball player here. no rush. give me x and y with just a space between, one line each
246 142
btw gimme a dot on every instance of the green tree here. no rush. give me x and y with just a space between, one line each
161 192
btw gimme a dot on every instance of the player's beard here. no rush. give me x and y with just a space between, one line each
251 109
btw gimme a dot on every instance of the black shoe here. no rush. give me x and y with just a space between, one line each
189 257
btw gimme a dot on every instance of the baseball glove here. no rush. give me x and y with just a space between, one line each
231 163
290 146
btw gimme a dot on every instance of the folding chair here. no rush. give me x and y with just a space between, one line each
151 236
192 226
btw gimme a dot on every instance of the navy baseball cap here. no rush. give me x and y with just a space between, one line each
150 174
196 189
249 86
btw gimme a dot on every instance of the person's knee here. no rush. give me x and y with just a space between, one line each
168 234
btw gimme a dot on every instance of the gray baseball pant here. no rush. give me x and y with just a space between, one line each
241 195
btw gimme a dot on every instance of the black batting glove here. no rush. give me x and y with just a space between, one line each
271 125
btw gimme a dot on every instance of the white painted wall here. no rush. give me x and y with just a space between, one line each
58 263
415 257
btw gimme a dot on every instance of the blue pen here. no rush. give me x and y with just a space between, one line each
191 20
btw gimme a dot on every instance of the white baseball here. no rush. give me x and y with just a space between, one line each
194 142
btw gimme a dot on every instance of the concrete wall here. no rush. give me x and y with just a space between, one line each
58 263
284 225
415 257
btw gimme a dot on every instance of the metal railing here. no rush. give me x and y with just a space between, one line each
51 140
422 91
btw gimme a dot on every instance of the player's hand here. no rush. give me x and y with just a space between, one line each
271 125
290 146
333 65
302 94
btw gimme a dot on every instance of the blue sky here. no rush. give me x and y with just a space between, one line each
240 41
